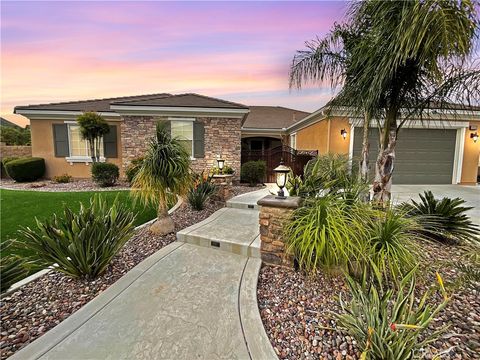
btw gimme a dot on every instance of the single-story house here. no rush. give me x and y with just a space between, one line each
439 148
210 128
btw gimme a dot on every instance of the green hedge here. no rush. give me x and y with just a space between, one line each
3 172
26 169
253 172
105 174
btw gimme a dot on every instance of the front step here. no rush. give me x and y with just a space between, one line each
247 200
228 229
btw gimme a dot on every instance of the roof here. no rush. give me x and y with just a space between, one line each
272 117
162 99
5 122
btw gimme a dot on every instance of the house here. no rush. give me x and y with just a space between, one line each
209 127
5 122
440 148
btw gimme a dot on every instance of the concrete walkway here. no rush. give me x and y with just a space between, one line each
183 302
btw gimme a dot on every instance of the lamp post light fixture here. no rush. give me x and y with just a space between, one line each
281 172
343 132
474 136
221 163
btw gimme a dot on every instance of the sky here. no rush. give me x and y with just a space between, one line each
238 51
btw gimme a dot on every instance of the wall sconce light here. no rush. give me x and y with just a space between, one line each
282 173
474 136
343 132
221 163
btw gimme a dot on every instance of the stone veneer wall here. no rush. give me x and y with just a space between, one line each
222 136
13 150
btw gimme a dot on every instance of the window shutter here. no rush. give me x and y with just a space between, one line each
198 140
110 142
60 140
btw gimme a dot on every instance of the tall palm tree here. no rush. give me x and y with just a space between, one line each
416 52
165 170
328 60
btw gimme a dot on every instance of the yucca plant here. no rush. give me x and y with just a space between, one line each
443 220
13 268
164 171
80 244
390 236
200 192
389 325
322 234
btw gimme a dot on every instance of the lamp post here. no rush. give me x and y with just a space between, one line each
220 163
281 172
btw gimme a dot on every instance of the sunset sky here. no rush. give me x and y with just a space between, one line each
239 51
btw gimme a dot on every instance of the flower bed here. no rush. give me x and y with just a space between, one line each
294 308
74 185
42 304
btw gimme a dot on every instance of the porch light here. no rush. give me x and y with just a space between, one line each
221 163
281 172
343 132
474 136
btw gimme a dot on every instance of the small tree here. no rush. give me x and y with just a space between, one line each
92 128
165 170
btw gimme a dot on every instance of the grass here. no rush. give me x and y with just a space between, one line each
19 208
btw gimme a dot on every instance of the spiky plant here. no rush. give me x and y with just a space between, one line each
165 170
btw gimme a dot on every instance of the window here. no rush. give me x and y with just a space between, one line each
77 145
183 130
293 141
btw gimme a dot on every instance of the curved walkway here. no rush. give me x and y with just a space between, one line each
183 302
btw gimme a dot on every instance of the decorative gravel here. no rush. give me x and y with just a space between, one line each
42 304
74 185
295 308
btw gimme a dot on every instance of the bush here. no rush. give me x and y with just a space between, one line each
201 191
389 326
3 172
83 243
133 168
26 169
62 179
253 172
227 170
443 220
12 268
105 174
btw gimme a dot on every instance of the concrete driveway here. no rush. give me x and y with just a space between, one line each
471 194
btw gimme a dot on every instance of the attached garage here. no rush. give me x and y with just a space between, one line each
423 156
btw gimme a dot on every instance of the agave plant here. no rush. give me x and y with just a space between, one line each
13 268
81 244
443 220
200 192
390 325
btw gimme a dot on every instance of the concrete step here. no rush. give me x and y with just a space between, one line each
229 229
248 200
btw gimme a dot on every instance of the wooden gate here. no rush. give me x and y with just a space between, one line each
295 159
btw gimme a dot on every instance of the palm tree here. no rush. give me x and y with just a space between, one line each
416 53
328 60
165 170
92 128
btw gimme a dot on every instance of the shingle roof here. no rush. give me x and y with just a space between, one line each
163 99
272 117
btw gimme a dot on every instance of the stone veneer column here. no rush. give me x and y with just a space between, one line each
274 214
135 132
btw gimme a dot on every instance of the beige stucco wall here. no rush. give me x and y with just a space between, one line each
43 146
325 137
471 153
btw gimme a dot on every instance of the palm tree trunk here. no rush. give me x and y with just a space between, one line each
91 143
363 168
385 164
164 223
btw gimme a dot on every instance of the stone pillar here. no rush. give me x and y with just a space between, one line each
274 213
224 186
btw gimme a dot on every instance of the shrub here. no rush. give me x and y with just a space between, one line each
62 179
26 169
3 172
253 172
200 192
105 174
322 234
83 243
133 168
227 170
389 326
12 267
443 220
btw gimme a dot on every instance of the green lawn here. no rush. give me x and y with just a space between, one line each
19 208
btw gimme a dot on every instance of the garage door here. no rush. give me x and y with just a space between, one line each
423 156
